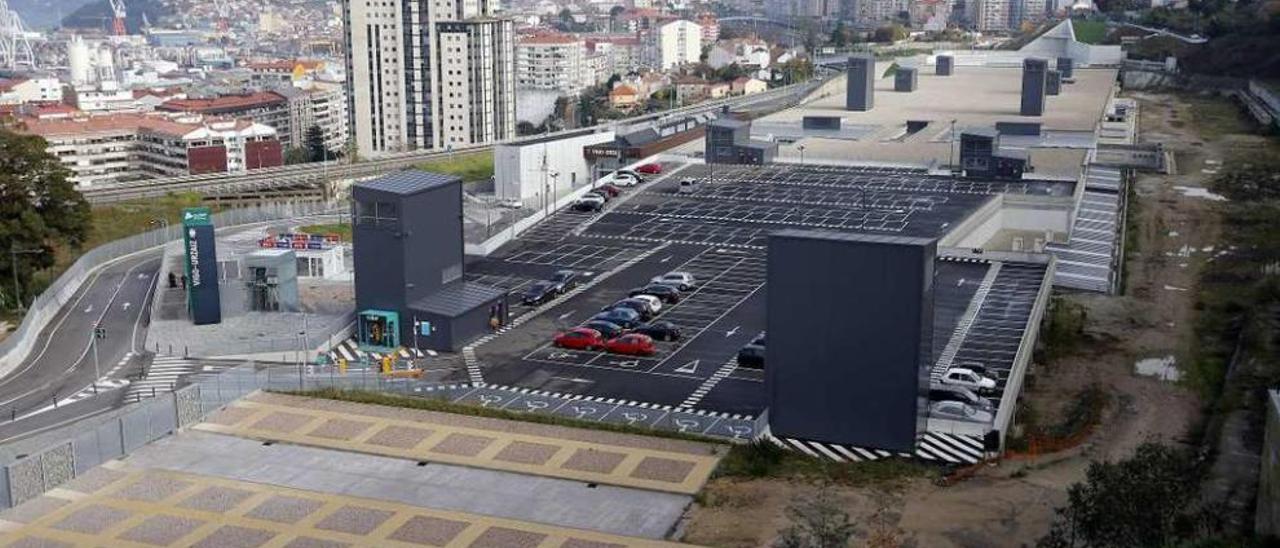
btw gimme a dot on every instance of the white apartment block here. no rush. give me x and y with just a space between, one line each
1026 11
17 91
554 62
428 74
989 15
676 43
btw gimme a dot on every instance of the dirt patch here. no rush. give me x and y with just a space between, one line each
1012 504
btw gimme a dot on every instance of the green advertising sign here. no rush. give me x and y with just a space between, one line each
196 216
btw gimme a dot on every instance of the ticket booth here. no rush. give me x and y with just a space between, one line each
378 330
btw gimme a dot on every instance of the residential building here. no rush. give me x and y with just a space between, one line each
264 107
554 62
750 53
786 9
747 86
622 52
710 27
284 72
718 90
676 43
16 91
1026 11
106 97
989 15
428 74
623 97
111 148
689 88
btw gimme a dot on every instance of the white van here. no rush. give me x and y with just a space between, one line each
687 186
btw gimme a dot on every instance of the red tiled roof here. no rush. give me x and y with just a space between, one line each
550 38
7 84
623 90
223 104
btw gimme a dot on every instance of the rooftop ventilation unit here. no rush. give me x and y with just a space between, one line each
944 64
905 80
1034 75
860 92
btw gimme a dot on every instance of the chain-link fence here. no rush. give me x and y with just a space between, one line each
15 348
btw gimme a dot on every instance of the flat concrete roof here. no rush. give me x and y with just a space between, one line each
971 96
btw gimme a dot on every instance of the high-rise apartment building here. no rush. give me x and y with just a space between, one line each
989 15
676 43
553 62
428 74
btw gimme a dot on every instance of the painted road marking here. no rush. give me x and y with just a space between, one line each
732 332
566 315
691 367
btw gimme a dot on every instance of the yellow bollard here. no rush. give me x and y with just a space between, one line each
342 366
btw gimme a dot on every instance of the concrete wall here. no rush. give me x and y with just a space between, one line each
1267 519
518 169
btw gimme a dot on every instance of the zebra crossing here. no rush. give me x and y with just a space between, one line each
953 449
162 376
350 351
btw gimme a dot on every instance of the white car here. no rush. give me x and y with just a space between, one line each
623 179
655 304
683 281
687 186
960 376
958 411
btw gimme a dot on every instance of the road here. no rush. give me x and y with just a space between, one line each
61 364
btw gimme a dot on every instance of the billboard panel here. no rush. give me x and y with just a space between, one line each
201 266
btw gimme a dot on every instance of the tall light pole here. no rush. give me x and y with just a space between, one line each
555 186
801 149
13 264
951 161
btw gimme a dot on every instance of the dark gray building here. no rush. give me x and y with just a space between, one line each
850 329
408 251
729 142
860 92
981 157
1066 67
943 65
1034 75
905 79
1053 83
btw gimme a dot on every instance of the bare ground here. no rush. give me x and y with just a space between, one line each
1012 504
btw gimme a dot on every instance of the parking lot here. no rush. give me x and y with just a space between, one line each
717 232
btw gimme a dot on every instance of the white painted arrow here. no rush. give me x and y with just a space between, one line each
732 332
665 259
690 367
567 314
88 309
126 305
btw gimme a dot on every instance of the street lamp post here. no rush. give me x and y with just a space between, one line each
555 186
801 149
13 264
951 161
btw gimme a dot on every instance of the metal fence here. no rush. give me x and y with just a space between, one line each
15 348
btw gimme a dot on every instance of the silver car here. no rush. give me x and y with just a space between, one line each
958 411
683 281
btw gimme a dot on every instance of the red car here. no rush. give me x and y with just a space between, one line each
580 338
609 189
650 169
633 344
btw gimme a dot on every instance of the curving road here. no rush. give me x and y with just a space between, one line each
61 365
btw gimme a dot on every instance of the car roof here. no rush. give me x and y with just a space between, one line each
960 370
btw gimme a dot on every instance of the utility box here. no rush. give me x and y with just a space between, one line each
943 65
850 328
1053 83
1066 67
1034 78
905 79
830 123
860 92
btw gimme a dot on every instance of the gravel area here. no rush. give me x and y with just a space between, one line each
400 437
589 460
282 509
484 423
161 530
525 452
216 499
231 535
92 520
354 520
501 537
428 530
340 429
579 543
283 422
40 542
152 488
660 469
462 444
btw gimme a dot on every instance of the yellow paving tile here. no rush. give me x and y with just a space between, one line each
492 448
116 516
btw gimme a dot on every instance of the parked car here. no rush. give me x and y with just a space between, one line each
752 355
607 330
624 180
622 316
977 367
683 281
609 190
587 204
668 293
640 307
538 293
650 169
631 344
659 331
958 411
967 378
943 392
564 280
629 173
604 197
579 338
687 186
655 303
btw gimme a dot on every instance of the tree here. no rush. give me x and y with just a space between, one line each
816 522
296 155
316 149
39 206
891 33
566 16
1145 500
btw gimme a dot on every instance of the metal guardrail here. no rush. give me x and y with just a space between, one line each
302 175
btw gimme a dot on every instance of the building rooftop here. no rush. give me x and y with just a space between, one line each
549 39
224 103
457 299
408 182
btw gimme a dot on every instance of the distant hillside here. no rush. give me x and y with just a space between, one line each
44 14
97 14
